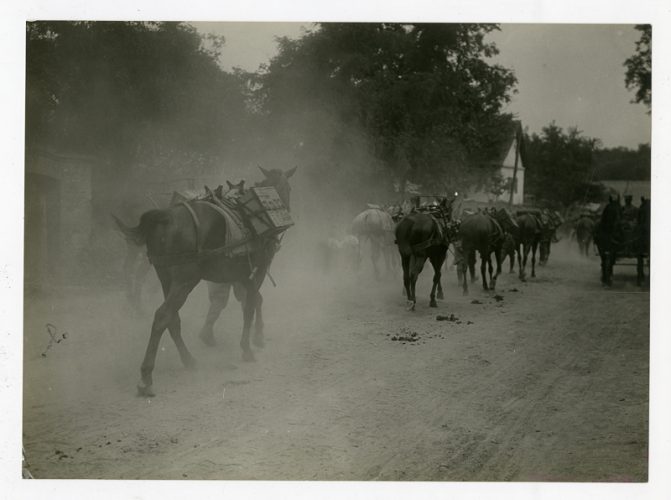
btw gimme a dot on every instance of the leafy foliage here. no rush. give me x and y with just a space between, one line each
359 105
130 93
623 163
560 165
639 67
387 103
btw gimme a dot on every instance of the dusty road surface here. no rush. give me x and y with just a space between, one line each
548 381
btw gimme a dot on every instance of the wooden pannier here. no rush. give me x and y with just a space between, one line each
264 212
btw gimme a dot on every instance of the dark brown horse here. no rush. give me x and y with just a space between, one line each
615 239
481 233
186 244
527 237
421 236
550 222
484 232
643 229
219 292
608 238
508 250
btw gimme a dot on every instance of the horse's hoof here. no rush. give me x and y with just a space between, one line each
190 363
259 342
410 306
465 292
440 296
145 391
207 338
248 356
433 304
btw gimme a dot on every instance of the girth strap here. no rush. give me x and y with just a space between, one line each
498 230
196 223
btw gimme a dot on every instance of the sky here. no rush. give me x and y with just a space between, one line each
572 74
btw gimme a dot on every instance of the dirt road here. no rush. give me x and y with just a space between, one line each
548 381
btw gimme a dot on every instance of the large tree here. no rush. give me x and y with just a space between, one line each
561 165
623 163
131 93
378 104
639 67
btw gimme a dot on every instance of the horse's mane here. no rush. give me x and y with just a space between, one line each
610 217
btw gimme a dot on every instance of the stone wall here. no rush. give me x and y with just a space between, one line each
68 207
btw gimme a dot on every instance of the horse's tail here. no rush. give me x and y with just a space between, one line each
132 234
138 235
402 236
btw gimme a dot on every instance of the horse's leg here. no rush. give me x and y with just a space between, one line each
411 283
534 246
218 294
543 252
640 273
611 263
416 266
405 264
241 295
175 329
605 265
442 258
522 260
440 295
497 256
470 256
175 296
484 258
437 260
249 307
490 267
388 254
358 253
603 255
462 272
375 256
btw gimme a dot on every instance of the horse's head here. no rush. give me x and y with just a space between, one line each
611 214
506 219
234 190
278 179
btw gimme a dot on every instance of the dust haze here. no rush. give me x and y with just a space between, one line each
350 385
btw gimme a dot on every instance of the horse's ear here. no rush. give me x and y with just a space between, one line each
610 198
264 171
290 172
230 186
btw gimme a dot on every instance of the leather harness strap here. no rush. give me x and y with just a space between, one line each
196 223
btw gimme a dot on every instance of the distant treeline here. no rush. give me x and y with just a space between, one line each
620 164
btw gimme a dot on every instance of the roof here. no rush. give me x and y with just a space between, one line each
514 132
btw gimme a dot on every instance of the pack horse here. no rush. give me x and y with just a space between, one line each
423 235
196 240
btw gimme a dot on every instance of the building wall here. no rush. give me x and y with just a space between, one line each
507 171
58 214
